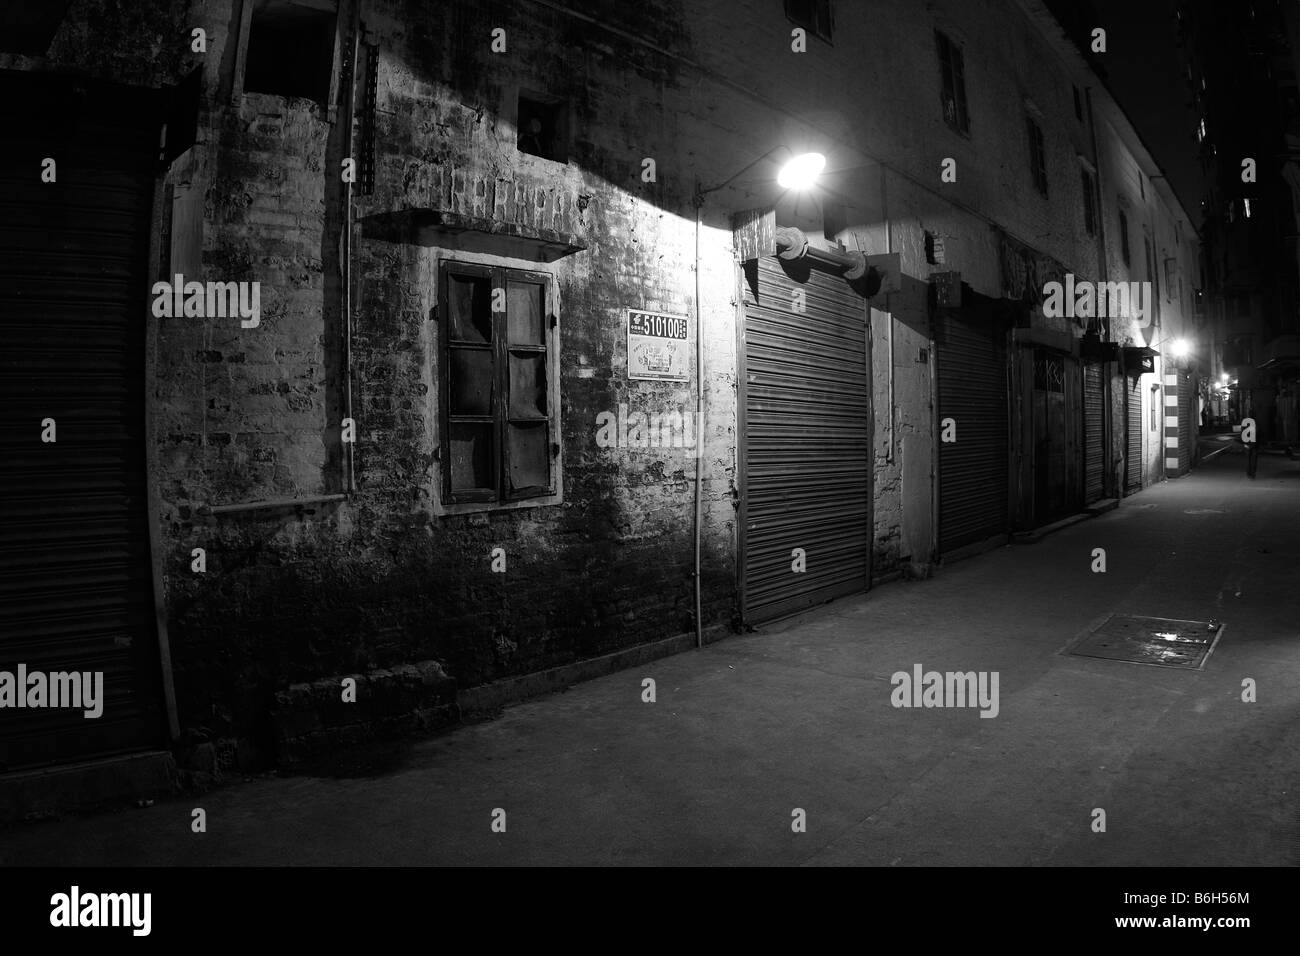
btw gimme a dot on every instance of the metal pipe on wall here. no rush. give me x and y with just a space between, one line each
884 214
349 461
699 430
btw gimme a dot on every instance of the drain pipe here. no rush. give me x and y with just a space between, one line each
889 312
349 462
699 422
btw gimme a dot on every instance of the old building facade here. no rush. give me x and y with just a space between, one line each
547 374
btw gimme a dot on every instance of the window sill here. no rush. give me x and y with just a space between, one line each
487 507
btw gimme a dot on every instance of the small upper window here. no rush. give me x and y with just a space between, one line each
1037 155
953 91
815 16
1124 252
290 50
1078 105
541 127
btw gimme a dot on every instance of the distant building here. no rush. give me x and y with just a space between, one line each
1241 73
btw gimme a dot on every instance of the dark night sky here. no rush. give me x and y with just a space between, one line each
1145 73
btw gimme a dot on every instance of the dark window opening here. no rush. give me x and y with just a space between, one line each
541 129
815 16
1049 371
1037 155
953 92
1078 105
499 425
1089 203
1123 239
290 51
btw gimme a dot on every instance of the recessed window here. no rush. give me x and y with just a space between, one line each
1037 155
953 90
1089 202
815 16
541 127
1123 238
1078 105
290 50
499 420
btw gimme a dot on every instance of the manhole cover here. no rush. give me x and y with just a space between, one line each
1151 640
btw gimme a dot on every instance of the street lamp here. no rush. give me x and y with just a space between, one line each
1180 348
799 172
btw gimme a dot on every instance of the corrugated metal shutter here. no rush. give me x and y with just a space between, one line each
806 443
1133 435
1093 433
1186 409
972 378
76 588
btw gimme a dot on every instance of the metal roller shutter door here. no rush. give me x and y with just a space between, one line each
1133 436
1093 433
972 378
806 443
76 587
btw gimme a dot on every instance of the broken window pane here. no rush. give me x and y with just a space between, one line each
471 455
530 458
524 307
469 308
471 382
527 384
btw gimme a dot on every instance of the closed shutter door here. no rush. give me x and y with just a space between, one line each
1133 437
972 372
805 450
1093 433
75 576
1186 409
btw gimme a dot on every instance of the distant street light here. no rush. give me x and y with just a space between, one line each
1180 348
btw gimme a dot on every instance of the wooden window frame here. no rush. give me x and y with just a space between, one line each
499 416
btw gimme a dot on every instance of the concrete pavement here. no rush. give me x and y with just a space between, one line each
799 716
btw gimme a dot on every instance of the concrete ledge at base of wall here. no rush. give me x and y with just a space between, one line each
312 720
490 698
1038 534
1101 506
34 794
970 550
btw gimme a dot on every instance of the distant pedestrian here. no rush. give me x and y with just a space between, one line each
1252 451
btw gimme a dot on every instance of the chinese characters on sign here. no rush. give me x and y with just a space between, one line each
657 346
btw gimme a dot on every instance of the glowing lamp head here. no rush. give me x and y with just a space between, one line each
801 171
1181 349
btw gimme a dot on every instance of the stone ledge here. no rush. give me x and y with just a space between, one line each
49 791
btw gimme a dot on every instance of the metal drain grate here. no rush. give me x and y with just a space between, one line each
1151 640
